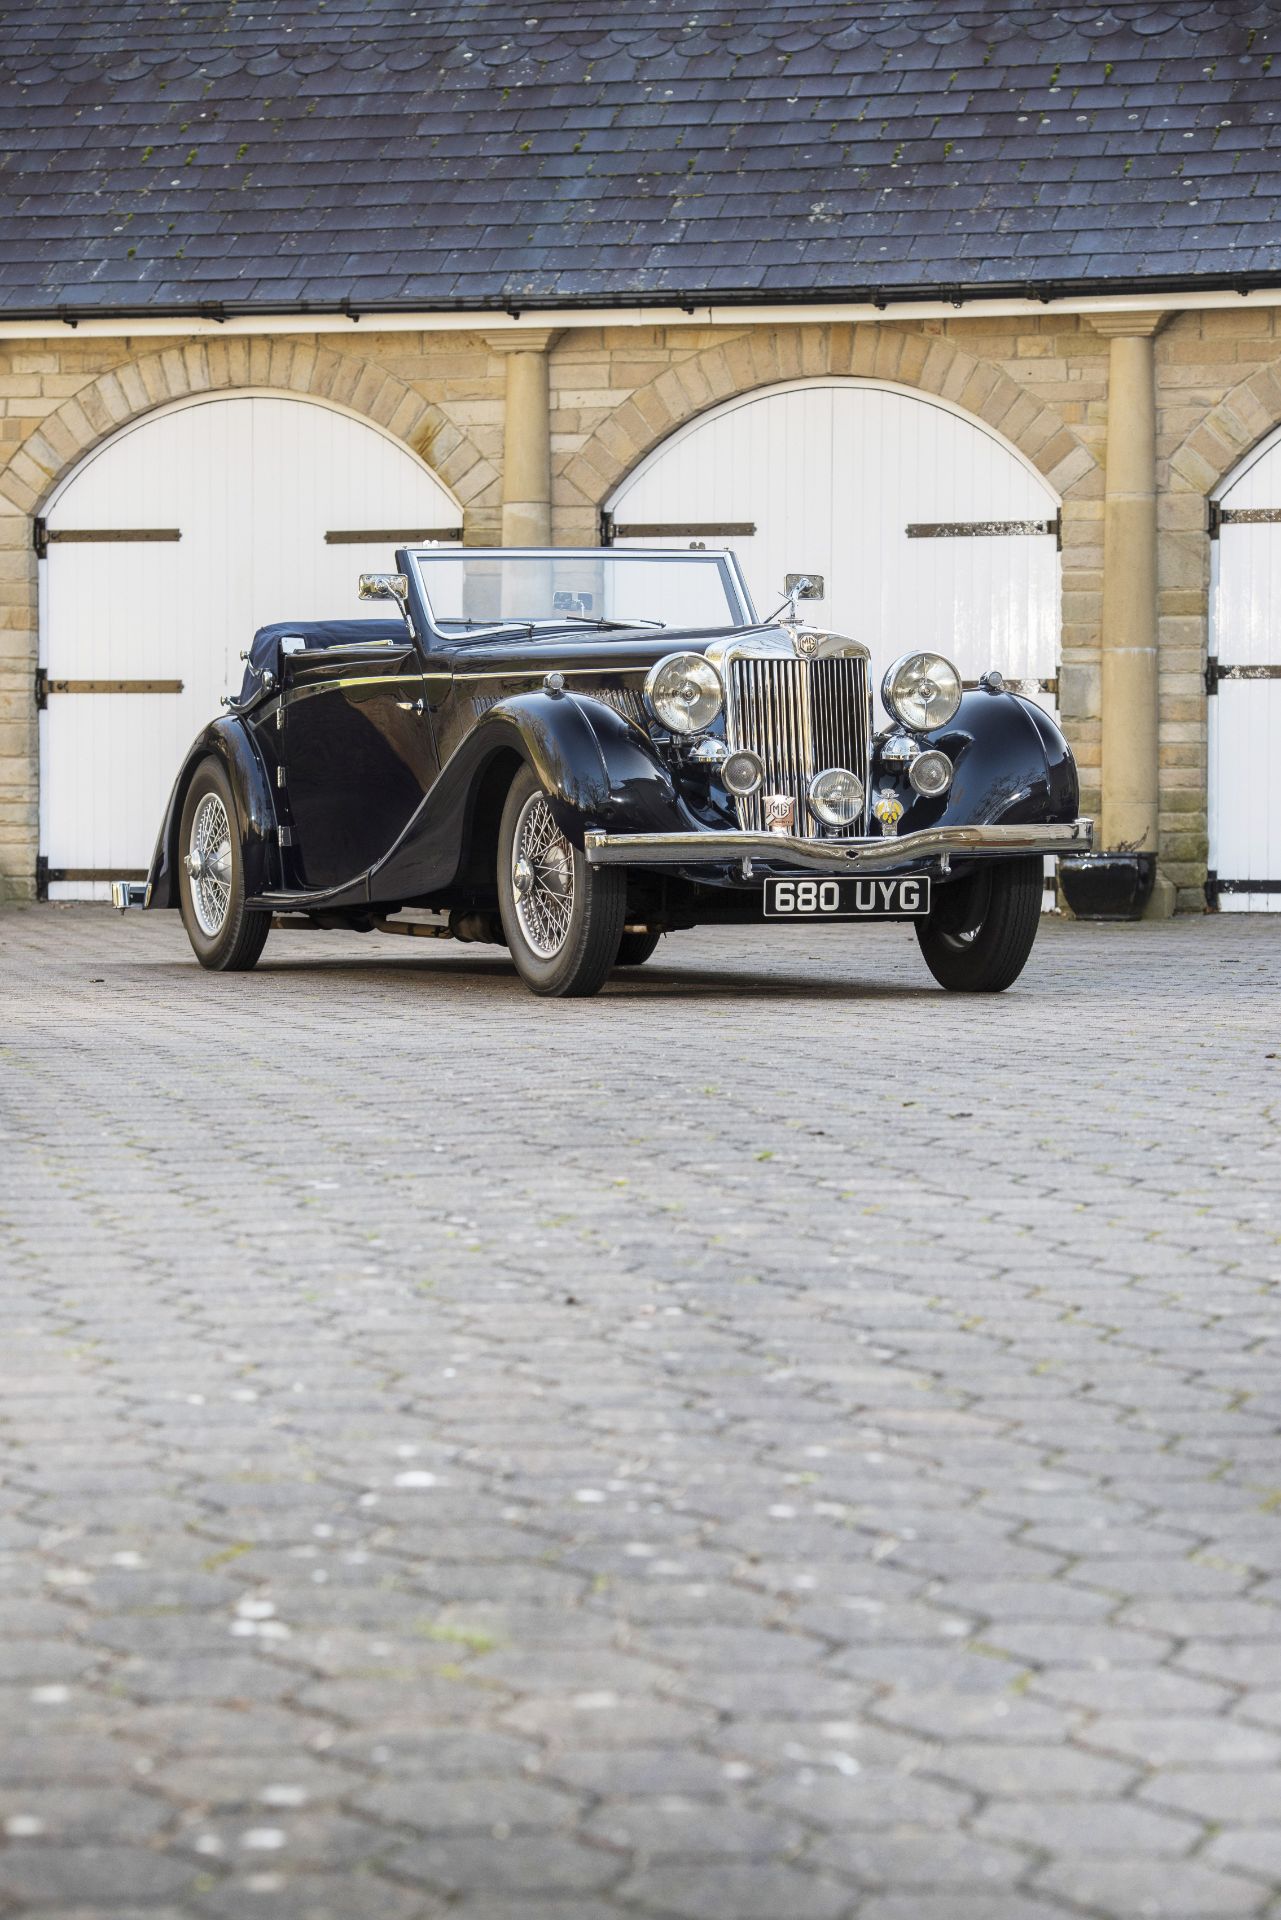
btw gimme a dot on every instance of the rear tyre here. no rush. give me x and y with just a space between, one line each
563 919
979 935
225 935
634 949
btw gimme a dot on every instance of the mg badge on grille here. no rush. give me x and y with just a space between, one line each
805 642
780 811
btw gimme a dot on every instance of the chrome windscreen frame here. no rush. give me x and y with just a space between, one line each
740 612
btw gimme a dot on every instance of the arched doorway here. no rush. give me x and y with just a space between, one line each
929 529
162 553
1243 681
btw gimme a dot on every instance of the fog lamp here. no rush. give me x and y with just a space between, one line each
930 773
742 772
836 796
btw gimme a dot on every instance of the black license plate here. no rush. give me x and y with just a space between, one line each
905 897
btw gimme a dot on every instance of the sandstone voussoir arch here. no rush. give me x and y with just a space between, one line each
931 364
1245 415
123 394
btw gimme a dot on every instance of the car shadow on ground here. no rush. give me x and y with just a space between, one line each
626 983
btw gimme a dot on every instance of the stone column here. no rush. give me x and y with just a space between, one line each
527 459
1130 684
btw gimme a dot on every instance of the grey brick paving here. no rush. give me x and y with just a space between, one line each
772 1443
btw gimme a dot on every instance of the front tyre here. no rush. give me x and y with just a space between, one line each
978 936
225 935
563 919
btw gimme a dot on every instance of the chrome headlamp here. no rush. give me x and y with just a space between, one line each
922 690
684 693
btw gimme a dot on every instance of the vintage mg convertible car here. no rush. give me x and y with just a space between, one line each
570 752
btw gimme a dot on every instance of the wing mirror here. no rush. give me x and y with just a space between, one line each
383 586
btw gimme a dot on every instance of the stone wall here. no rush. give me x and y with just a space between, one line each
616 392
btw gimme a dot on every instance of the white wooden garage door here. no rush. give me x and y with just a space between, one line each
1244 683
897 500
241 498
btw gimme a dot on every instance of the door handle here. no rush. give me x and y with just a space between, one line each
420 706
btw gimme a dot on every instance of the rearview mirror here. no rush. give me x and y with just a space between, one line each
383 586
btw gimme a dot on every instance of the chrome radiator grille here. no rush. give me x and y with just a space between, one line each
800 716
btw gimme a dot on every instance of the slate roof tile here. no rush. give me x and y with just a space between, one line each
628 148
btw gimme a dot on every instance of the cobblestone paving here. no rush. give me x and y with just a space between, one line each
772 1443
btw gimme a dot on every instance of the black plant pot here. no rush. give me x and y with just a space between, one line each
1108 886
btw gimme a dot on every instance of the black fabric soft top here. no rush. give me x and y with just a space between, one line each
309 636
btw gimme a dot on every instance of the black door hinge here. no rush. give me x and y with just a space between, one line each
984 529
40 536
42 877
1220 516
1216 671
606 527
42 689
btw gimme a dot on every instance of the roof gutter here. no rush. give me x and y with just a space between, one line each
732 308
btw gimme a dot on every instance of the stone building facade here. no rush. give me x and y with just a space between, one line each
531 429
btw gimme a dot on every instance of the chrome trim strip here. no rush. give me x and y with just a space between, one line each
292 695
716 848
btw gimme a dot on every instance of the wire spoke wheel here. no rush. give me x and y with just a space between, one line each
208 864
226 933
542 878
562 917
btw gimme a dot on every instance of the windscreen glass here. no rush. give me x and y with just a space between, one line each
603 589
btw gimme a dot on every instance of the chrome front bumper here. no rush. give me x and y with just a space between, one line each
128 893
715 848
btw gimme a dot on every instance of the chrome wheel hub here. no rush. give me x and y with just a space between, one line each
542 879
208 864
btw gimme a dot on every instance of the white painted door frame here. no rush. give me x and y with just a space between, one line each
827 474
920 575
260 478
1243 685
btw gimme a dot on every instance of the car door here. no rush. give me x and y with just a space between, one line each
358 753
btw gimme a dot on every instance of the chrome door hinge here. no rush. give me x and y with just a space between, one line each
285 836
